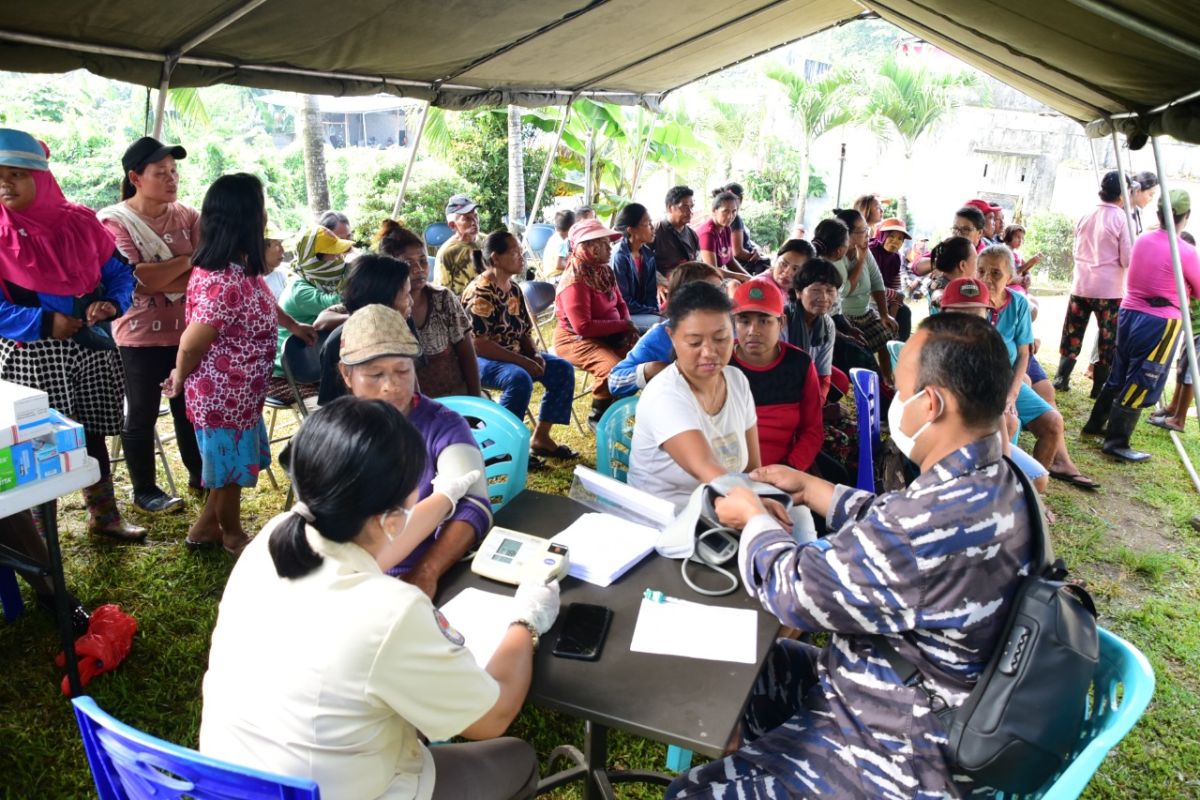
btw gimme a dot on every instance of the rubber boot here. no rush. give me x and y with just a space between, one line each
1062 378
1121 422
104 518
1100 377
598 409
1099 417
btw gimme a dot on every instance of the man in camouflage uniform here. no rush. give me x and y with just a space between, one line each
934 568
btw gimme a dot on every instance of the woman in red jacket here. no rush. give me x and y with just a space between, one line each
594 330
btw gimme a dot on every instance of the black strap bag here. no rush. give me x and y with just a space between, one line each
1020 724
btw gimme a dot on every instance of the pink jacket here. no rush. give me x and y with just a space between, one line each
1102 247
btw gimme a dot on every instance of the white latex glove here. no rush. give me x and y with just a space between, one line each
537 603
454 488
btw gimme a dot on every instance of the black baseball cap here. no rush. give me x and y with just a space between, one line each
147 150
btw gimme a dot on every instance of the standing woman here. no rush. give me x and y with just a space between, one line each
157 235
716 236
63 282
594 330
508 358
447 365
226 353
635 267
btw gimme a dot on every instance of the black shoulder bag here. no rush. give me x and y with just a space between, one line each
1021 722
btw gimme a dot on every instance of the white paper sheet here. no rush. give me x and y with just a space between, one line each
603 547
482 618
694 630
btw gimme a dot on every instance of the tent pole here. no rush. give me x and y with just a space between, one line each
550 157
160 104
1095 163
1139 26
412 159
1124 185
1180 285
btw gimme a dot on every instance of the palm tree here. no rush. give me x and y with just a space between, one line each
732 126
909 100
313 138
817 107
516 170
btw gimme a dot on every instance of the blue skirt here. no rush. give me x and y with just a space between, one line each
233 457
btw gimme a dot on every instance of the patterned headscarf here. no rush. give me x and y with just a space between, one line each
325 275
53 246
597 275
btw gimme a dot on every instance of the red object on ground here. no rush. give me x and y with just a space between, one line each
104 646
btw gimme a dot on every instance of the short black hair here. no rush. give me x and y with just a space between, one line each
677 194
972 215
797 246
724 197
630 217
817 270
563 220
830 235
850 216
964 355
947 254
336 459
497 243
373 280
232 222
694 297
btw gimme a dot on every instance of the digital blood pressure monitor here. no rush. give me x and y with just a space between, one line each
511 557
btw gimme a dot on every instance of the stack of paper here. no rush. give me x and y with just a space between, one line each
482 618
603 493
694 630
603 547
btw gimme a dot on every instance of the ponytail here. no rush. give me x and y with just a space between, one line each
477 260
290 550
830 235
393 238
949 253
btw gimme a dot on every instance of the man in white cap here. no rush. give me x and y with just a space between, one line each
455 265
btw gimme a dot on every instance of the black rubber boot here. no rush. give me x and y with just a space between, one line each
1099 378
1099 417
1062 378
1121 422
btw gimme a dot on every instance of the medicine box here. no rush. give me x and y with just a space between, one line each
67 433
45 456
73 459
17 466
21 406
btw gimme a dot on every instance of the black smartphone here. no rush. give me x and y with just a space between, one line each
584 627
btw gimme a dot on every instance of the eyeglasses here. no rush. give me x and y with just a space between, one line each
963 230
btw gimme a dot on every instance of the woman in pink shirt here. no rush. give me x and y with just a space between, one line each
226 354
594 330
1148 328
716 236
1101 257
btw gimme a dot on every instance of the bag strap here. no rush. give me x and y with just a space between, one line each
1039 564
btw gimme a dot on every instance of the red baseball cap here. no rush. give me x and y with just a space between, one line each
983 205
759 296
966 293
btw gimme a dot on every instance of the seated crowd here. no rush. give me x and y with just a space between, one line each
742 358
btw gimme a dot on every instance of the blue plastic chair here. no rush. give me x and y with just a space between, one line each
1107 719
536 237
10 594
437 235
432 274
614 437
894 347
130 765
504 441
866 402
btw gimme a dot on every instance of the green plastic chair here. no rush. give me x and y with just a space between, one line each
894 347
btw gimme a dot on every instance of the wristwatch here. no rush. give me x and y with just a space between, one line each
533 632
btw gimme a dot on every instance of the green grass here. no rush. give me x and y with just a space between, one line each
1131 542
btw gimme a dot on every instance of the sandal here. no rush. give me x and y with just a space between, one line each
561 451
1166 424
1078 480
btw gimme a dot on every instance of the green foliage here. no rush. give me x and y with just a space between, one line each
479 148
770 225
425 203
777 180
817 106
908 99
1053 235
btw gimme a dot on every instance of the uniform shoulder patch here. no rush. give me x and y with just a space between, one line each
447 629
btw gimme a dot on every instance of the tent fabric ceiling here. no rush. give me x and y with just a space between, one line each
1084 61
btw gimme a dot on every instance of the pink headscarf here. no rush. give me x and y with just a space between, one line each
54 246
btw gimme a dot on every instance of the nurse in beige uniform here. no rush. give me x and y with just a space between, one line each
324 667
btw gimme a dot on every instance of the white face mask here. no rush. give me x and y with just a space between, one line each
903 441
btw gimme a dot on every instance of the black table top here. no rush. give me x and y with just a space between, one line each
682 701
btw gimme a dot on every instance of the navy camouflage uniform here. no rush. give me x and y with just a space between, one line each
933 567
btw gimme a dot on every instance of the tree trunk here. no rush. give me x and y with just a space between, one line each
312 134
516 172
588 159
902 201
802 189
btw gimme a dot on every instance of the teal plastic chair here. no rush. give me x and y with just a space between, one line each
894 347
504 441
614 435
1107 719
128 764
